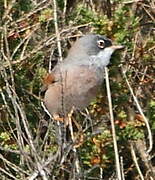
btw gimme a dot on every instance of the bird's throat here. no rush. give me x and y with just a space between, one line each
102 59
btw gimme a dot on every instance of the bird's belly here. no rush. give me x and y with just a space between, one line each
82 94
77 92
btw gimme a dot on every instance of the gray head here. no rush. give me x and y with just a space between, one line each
91 45
96 48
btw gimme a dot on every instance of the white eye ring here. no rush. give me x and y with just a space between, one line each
101 43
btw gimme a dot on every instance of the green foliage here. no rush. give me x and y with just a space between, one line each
130 132
81 15
1 9
97 150
45 15
151 112
26 6
60 4
19 8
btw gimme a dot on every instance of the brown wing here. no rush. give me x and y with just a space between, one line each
47 80
77 86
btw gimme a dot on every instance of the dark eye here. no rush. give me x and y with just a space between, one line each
101 43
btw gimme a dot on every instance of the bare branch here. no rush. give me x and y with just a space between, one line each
118 167
140 111
136 162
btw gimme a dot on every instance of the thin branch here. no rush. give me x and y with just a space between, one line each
118 167
24 41
136 162
64 9
8 8
140 111
148 13
50 158
36 10
7 173
12 166
77 166
57 30
122 167
44 43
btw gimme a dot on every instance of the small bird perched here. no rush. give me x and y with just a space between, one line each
76 81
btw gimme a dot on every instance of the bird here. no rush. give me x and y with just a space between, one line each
76 81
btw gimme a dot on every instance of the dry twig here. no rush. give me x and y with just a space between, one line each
118 167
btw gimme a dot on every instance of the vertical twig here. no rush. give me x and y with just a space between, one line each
65 8
61 130
141 112
118 169
136 162
59 49
50 61
57 30
101 173
77 166
122 167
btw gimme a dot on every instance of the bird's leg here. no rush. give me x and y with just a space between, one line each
76 162
61 135
79 139
58 118
64 120
70 124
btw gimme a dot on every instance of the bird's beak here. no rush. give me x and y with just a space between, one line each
115 47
